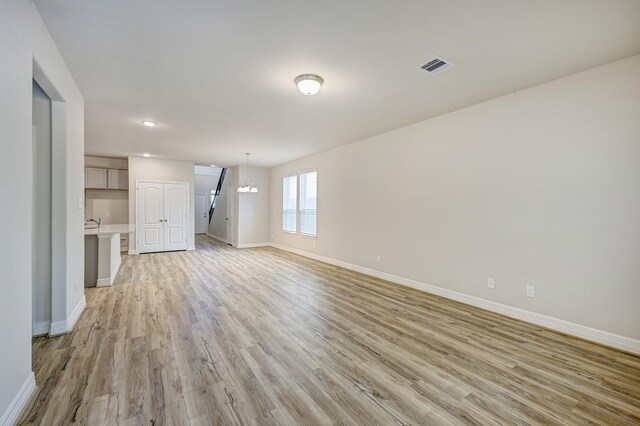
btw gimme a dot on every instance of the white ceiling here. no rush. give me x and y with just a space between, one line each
218 75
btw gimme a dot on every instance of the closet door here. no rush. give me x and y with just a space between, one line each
151 226
175 215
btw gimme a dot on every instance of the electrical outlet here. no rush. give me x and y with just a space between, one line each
107 214
491 282
379 259
531 291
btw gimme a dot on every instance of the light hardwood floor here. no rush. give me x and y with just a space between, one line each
261 336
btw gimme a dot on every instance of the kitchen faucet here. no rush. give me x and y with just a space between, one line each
98 222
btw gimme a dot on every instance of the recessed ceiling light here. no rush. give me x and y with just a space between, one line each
213 165
146 155
309 84
149 123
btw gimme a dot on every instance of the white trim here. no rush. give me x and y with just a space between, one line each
191 248
62 327
598 336
215 237
58 328
40 328
19 402
132 252
252 245
104 282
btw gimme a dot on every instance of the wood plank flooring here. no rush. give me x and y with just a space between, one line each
261 336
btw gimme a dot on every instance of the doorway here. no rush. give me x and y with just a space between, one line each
41 213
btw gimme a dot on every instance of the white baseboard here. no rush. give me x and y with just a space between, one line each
40 328
251 245
11 414
104 282
584 332
132 252
62 327
191 248
215 237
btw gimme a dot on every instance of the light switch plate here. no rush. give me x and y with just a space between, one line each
531 291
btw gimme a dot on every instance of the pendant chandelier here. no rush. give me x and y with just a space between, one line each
248 187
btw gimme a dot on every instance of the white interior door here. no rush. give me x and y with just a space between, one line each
201 211
150 221
175 216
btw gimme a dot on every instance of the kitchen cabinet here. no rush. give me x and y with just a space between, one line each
118 179
95 178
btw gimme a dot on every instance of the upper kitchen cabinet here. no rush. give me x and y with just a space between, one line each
118 179
95 178
98 178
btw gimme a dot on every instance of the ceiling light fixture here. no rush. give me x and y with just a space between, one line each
309 84
149 123
248 187
146 155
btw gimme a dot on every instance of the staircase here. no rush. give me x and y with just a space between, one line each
216 194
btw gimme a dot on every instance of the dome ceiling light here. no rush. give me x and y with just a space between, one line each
309 84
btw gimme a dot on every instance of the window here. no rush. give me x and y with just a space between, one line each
299 203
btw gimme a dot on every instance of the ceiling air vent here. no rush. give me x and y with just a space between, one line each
436 66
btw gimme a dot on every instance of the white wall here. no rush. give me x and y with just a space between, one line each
204 184
539 187
110 205
252 213
162 171
28 52
218 224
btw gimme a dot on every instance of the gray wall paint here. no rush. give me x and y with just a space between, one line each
28 53
41 239
253 208
540 187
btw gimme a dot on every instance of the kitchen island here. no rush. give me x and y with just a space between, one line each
102 253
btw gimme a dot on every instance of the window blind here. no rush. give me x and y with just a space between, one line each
308 201
289 203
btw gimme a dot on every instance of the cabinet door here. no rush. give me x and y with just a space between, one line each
118 179
95 178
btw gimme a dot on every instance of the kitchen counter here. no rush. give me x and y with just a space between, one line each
102 253
110 230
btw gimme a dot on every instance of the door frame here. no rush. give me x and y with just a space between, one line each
137 205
